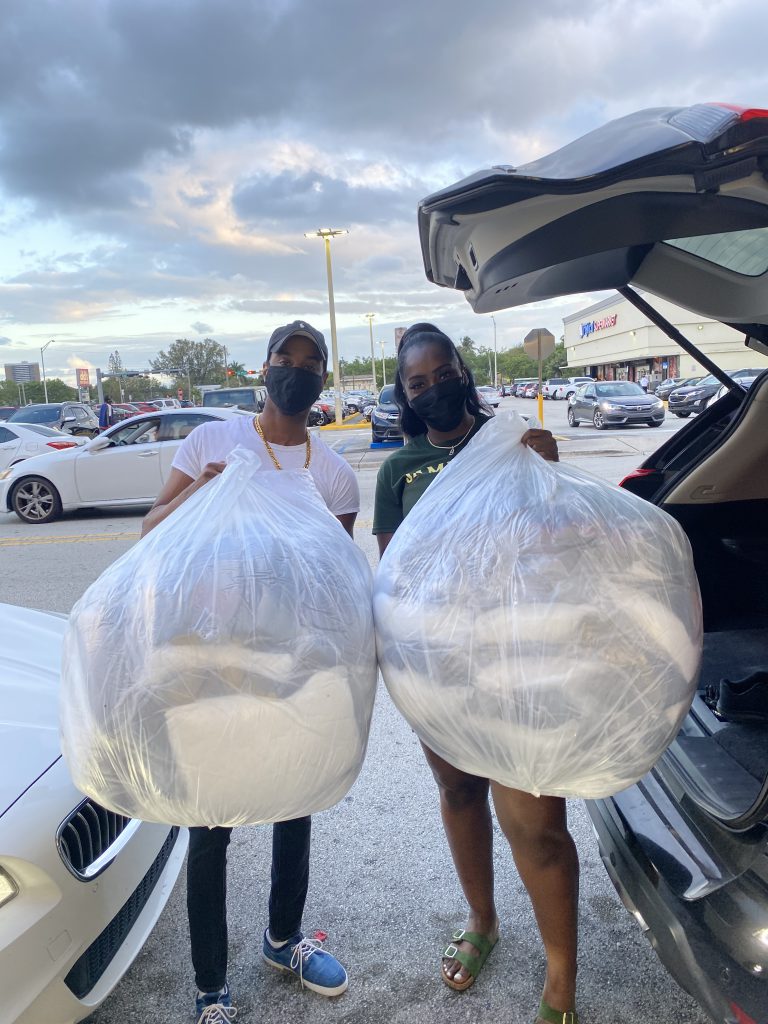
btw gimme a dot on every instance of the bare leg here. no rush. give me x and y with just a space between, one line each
545 856
467 821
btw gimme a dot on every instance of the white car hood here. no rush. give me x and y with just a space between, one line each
30 661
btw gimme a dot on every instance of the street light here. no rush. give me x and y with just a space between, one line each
327 234
383 366
369 317
42 360
496 355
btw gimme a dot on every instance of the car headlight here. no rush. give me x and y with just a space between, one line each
8 888
659 402
608 405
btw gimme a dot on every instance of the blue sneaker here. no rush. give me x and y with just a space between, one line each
315 968
214 1007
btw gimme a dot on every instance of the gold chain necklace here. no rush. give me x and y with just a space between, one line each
450 448
268 446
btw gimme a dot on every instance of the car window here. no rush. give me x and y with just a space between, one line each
38 428
7 435
176 428
586 392
81 415
144 431
387 395
743 252
36 414
617 388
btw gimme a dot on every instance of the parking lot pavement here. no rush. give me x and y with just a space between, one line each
382 886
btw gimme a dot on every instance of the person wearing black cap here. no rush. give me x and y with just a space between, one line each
295 372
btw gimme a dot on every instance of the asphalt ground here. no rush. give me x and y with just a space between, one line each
382 885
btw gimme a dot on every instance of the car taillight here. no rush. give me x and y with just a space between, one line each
58 445
635 474
745 113
741 1017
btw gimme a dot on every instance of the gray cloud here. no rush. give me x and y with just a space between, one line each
305 199
202 328
5 341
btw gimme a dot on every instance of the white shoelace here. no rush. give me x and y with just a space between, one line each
302 951
216 1013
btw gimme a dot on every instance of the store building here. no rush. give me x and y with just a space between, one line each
22 373
612 340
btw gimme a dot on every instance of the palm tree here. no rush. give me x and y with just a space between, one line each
236 370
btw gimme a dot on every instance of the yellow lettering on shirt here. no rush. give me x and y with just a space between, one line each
410 477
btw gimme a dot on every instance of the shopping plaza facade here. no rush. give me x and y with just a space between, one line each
612 340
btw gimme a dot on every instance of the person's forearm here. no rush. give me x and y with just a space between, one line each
158 513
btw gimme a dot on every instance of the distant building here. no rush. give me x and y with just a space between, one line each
612 340
22 373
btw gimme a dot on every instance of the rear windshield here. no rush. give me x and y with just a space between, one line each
557 380
616 388
36 414
387 395
233 396
743 252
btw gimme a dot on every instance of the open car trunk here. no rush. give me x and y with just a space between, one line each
673 201
716 487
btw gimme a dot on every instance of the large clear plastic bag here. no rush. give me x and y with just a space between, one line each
535 625
223 671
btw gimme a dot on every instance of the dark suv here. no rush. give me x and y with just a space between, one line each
385 418
71 417
672 201
695 397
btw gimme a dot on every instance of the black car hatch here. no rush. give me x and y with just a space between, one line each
671 200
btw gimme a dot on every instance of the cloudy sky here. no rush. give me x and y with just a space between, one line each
160 160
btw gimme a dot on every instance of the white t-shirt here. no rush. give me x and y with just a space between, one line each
215 441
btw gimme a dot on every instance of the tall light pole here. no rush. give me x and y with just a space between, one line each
327 234
369 317
383 366
42 360
495 354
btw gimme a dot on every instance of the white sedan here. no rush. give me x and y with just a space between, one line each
19 441
125 467
80 887
489 395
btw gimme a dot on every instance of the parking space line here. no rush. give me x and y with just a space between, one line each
19 542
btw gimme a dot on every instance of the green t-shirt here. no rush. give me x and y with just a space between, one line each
406 474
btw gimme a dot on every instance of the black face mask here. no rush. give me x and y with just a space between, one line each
442 406
292 389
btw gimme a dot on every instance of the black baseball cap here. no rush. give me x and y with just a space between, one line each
303 330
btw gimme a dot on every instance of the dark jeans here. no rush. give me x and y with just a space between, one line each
207 893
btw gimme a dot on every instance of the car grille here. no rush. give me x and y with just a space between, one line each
86 971
86 835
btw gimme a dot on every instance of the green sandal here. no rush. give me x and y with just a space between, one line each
473 963
549 1016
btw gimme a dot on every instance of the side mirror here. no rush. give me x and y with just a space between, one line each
96 444
69 419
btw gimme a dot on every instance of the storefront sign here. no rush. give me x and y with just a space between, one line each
598 325
83 377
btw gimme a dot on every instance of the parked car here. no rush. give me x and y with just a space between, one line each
665 387
166 403
385 418
71 417
7 410
316 417
356 399
746 379
531 390
19 441
672 201
550 386
489 395
124 467
693 398
80 887
519 385
614 403
570 387
251 399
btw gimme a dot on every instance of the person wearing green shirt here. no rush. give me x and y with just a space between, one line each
440 413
